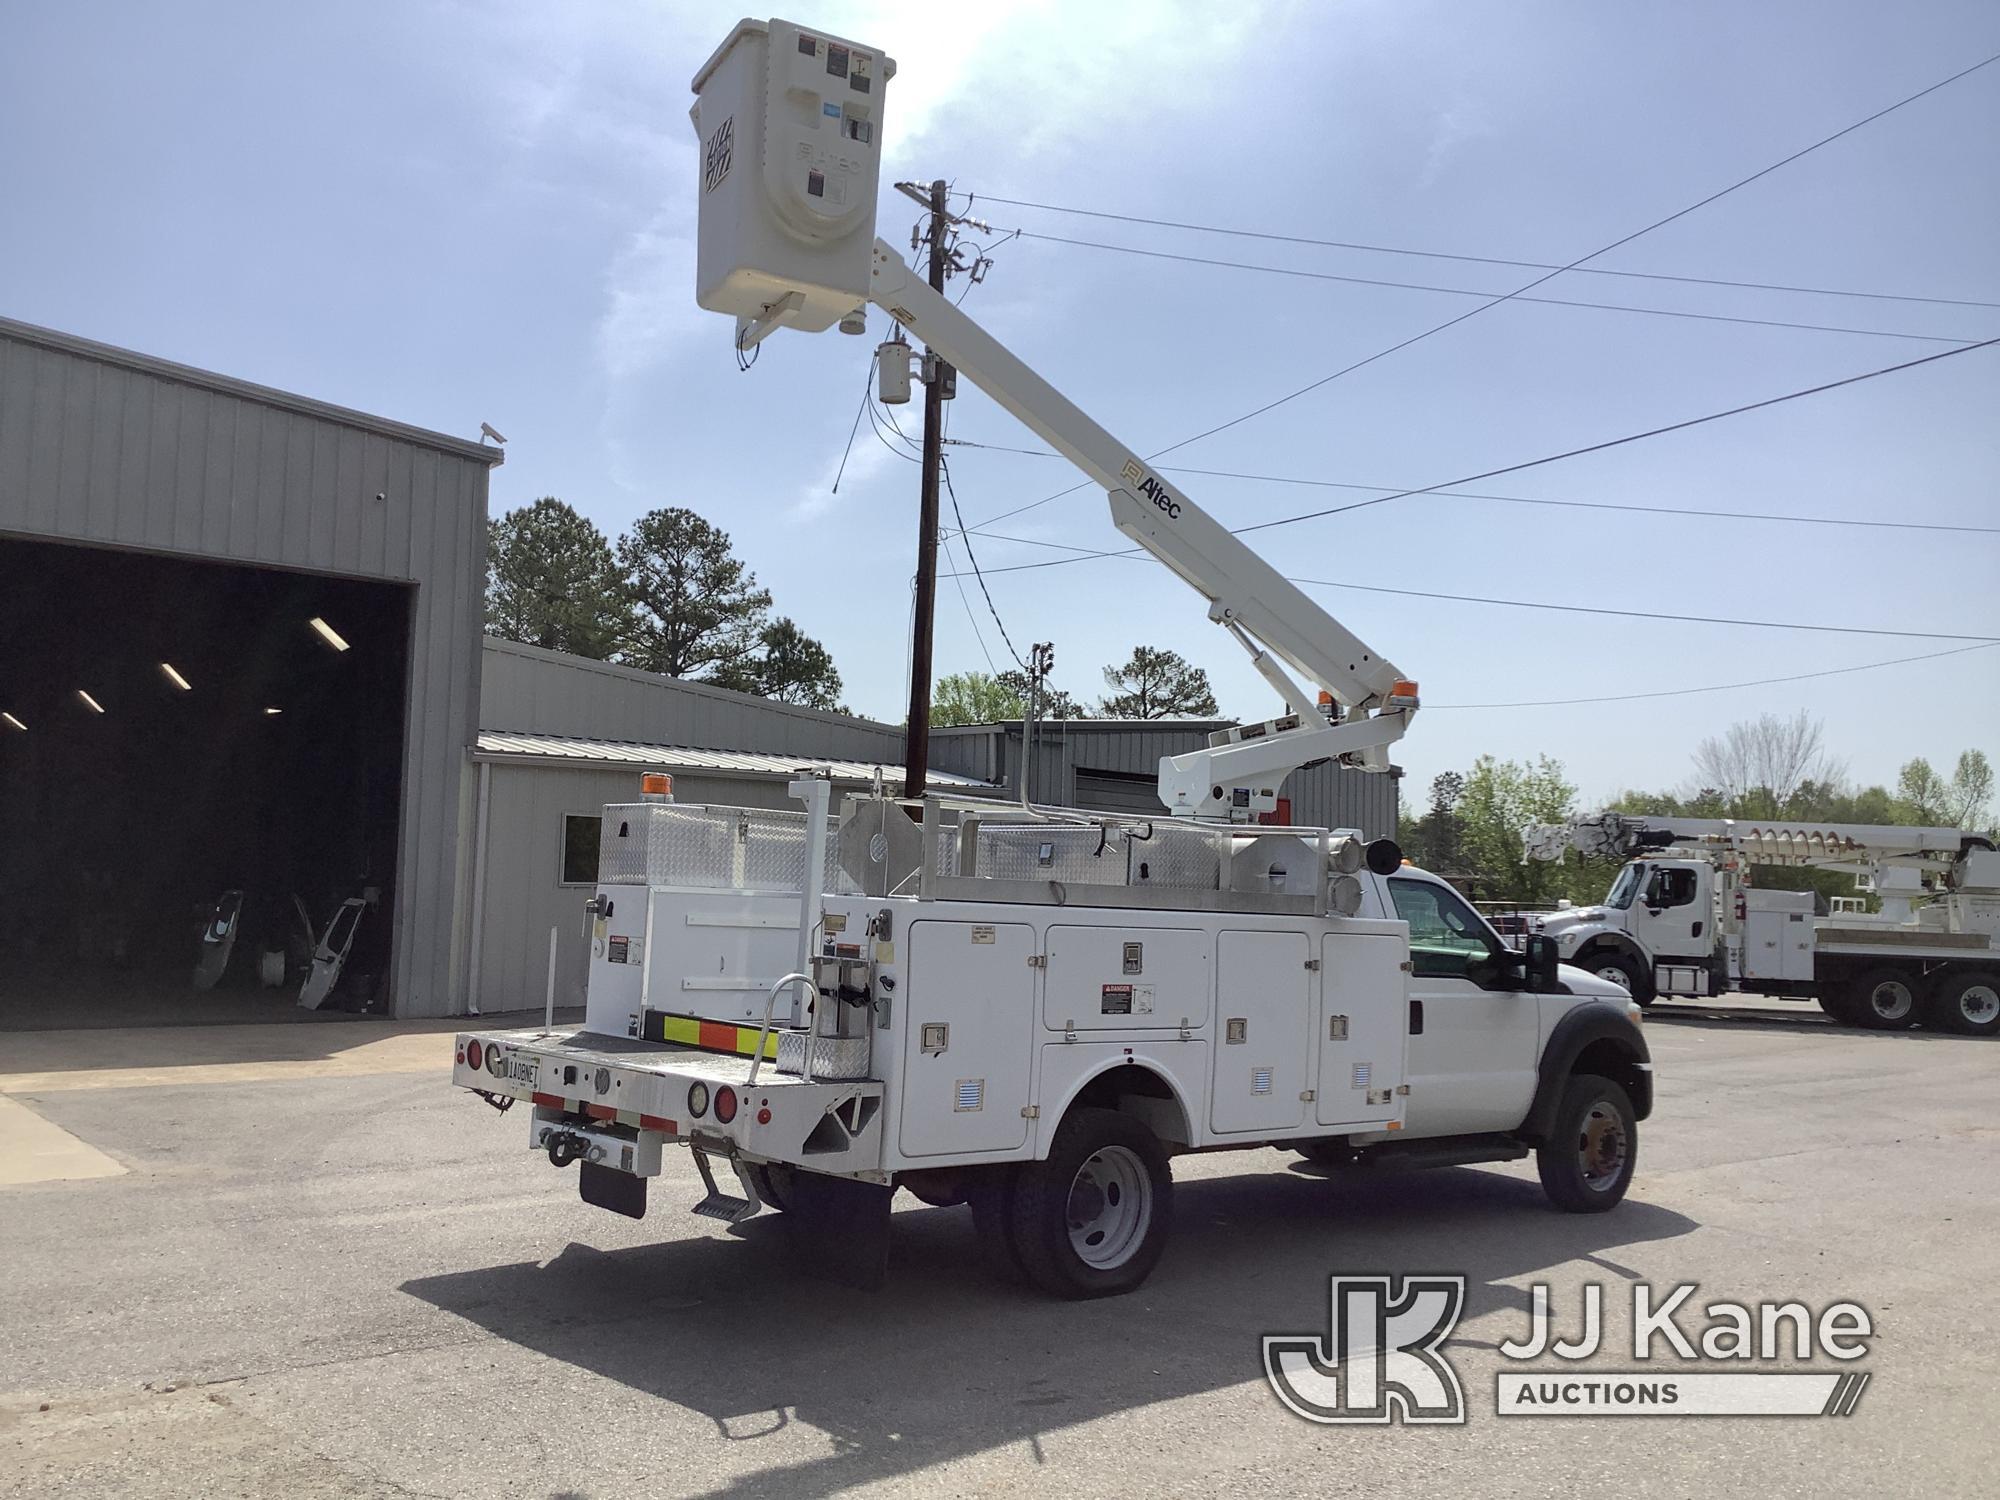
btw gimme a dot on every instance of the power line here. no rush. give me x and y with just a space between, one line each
1721 687
966 541
1474 312
1461 291
1571 609
1650 510
1477 260
966 599
1535 463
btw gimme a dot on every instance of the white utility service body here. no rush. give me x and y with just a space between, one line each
1030 1009
1684 918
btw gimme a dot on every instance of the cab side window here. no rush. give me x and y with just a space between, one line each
1671 888
1445 933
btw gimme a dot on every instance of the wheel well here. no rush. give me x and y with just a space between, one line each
1138 1091
1607 1059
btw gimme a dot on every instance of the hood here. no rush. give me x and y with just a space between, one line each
1562 921
1587 986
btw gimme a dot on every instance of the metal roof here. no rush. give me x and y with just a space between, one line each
545 747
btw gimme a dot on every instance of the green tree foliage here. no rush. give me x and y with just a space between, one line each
551 581
1157 684
1960 802
789 667
696 609
1499 800
973 698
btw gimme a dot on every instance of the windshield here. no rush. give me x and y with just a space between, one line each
1625 886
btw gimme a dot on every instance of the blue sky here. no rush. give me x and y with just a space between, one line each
449 213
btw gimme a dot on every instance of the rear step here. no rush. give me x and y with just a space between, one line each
725 1206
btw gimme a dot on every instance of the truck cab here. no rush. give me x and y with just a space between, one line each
1659 929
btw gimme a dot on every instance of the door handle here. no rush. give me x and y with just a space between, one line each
1416 1018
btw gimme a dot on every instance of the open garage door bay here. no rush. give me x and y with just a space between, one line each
239 638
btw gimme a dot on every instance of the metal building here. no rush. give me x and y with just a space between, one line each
1112 765
177 723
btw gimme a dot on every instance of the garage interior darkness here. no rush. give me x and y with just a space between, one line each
176 729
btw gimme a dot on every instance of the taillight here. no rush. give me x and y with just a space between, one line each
697 1099
473 1054
725 1104
496 1061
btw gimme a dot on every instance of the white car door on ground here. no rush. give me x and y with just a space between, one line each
1473 1049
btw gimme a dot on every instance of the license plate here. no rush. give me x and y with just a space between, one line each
523 1070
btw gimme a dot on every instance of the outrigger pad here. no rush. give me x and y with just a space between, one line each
607 1187
840 1228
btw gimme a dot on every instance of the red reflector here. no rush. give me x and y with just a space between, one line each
600 1111
725 1104
548 1101
474 1055
658 1122
763 1117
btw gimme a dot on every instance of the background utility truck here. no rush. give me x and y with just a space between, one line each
1683 918
1032 1009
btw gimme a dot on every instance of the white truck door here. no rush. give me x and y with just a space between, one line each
1263 998
968 1037
1673 914
1472 1050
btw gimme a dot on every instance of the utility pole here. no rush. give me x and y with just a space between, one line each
917 744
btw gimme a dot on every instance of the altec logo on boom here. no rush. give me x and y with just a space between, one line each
1151 487
1382 1358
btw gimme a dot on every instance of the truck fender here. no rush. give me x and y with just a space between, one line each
1595 1037
1613 942
1152 1080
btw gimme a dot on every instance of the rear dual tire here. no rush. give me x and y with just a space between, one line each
1967 1003
1089 1221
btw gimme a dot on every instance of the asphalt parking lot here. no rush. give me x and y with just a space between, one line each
305 1266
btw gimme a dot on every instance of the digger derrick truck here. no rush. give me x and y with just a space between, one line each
1029 1009
1684 917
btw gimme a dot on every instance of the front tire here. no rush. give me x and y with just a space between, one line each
1621 969
1968 1003
1885 999
1586 1163
1840 1003
1092 1220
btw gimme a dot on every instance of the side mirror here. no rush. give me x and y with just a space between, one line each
1542 956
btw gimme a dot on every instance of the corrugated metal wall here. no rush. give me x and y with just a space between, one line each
531 691
102 446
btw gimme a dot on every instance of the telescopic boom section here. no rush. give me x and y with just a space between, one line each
1267 613
1774 841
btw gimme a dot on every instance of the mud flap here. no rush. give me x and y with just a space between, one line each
840 1229
607 1187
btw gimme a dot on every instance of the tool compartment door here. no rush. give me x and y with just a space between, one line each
1363 1029
968 1038
1115 978
1263 1032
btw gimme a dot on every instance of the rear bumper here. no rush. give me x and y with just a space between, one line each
615 1092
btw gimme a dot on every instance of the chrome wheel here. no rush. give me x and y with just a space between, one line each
1110 1206
1601 1146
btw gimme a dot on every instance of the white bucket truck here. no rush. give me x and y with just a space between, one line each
1684 918
1028 1009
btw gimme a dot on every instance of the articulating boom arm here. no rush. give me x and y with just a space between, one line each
1268 614
1772 842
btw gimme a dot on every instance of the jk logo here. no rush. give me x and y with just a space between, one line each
1379 1359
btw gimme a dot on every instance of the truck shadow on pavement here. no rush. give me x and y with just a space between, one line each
946 1362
